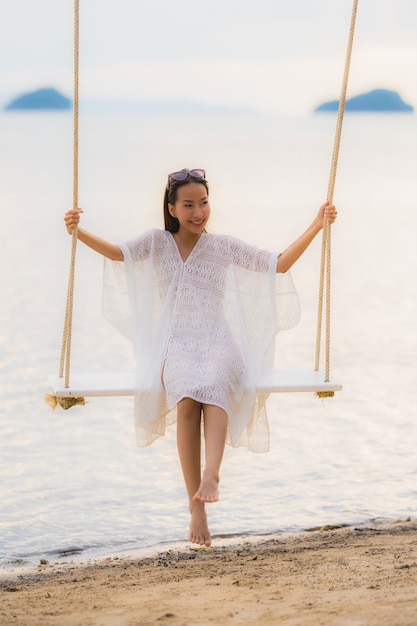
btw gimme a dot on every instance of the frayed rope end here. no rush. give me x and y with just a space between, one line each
64 403
324 394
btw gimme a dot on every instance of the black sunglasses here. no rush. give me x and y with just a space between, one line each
184 174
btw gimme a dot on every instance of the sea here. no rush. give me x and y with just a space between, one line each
73 484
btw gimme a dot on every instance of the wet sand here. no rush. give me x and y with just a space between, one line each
355 576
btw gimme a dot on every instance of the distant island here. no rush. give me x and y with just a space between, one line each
41 99
51 99
378 100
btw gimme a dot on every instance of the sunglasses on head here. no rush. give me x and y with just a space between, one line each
184 174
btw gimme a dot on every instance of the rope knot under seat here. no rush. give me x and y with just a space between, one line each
324 394
64 403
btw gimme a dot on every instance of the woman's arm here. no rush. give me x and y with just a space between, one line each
107 249
287 258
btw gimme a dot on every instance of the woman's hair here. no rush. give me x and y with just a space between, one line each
170 197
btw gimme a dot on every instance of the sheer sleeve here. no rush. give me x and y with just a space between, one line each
118 307
139 247
246 256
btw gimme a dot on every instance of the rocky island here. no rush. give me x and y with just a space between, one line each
51 99
377 100
41 99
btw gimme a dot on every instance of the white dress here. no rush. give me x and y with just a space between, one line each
204 328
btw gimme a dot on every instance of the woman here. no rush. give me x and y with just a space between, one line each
202 311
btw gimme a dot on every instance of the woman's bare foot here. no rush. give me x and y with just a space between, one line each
208 490
199 530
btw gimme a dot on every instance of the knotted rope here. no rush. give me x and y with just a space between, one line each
65 362
325 263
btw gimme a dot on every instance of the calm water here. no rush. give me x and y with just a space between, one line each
74 481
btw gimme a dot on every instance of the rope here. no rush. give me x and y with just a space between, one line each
65 361
325 265
325 273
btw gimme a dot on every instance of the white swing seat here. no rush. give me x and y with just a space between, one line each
123 384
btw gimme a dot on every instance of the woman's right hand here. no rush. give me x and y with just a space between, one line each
72 218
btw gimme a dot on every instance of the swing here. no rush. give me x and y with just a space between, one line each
71 390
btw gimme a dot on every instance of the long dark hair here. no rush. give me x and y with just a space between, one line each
170 197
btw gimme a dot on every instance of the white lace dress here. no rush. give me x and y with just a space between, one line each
204 328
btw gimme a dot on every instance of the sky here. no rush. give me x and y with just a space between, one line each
269 55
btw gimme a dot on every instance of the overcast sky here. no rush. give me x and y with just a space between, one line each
271 55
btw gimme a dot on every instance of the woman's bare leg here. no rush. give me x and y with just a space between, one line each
189 450
215 430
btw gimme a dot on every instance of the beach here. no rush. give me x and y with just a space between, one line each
359 575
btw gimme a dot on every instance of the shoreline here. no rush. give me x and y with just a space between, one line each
327 576
24 565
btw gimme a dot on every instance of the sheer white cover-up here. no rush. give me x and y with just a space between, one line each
204 328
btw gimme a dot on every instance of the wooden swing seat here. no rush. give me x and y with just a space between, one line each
123 383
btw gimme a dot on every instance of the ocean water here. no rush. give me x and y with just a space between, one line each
73 482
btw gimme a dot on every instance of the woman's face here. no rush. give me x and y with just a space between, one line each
191 208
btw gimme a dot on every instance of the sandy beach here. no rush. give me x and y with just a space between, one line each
354 576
